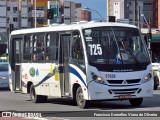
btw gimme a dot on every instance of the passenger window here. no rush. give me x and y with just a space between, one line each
38 47
51 46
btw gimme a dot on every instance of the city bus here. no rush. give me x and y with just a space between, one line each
84 61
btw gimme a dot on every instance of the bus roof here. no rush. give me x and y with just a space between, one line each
67 27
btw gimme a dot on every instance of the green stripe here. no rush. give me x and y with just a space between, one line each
155 38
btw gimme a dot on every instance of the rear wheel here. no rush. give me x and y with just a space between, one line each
81 102
136 101
36 98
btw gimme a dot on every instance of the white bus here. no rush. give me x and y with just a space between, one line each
84 61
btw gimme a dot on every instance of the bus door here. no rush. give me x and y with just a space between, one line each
64 67
16 60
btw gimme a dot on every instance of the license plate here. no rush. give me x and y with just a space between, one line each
124 96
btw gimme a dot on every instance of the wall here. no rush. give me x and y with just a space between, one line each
3 18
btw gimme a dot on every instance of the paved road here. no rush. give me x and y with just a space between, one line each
63 107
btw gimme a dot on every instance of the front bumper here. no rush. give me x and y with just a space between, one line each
103 92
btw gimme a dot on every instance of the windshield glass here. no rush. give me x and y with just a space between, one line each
115 45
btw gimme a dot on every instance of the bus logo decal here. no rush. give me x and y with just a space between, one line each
32 72
37 72
110 76
124 82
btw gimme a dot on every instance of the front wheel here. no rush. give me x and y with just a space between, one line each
36 98
136 101
156 82
81 102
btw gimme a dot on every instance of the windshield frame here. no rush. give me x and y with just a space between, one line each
135 60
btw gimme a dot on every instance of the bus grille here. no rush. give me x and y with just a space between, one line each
124 82
124 91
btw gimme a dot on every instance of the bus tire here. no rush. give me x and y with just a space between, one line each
155 87
36 98
136 101
156 82
81 102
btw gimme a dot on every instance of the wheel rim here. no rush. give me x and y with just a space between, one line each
80 98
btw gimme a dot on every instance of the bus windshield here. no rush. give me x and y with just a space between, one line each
115 45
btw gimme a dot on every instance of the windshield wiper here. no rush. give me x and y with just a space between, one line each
128 50
133 56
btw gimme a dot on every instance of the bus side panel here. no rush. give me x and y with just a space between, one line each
79 77
55 89
43 76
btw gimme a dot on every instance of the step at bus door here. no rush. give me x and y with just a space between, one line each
16 60
64 67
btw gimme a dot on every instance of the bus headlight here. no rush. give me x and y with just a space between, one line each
147 77
97 78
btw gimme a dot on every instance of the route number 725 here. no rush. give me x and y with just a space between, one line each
95 49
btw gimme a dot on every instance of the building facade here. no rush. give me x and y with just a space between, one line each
85 15
131 10
41 10
21 14
109 7
25 15
73 12
69 12
15 12
11 13
156 14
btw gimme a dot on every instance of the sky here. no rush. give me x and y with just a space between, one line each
98 5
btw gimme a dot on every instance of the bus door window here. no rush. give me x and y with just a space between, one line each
27 48
17 51
77 53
